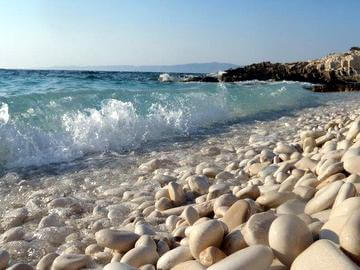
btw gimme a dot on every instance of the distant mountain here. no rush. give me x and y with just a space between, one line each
185 68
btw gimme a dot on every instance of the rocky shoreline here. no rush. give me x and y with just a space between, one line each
285 199
333 73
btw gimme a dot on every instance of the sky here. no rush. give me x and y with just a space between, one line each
45 33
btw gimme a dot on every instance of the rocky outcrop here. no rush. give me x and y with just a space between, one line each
335 72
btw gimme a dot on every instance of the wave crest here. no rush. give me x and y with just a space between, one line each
115 126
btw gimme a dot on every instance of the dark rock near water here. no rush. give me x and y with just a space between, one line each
335 72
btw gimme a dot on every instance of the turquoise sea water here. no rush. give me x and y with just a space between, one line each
58 116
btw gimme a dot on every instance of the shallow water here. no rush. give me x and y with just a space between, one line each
68 117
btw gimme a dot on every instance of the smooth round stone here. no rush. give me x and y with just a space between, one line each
315 228
92 249
176 193
193 265
146 241
322 216
294 207
13 234
353 130
190 215
46 261
54 235
163 204
142 229
170 222
21 266
139 256
346 191
256 257
323 255
205 234
4 258
330 170
225 200
174 257
269 170
114 192
288 237
179 231
148 210
331 179
162 247
237 214
273 199
163 179
118 266
211 171
234 241
350 236
50 221
217 190
304 192
198 184
220 211
14 218
162 193
251 192
224 175
325 199
256 230
332 228
122 241
351 160
288 184
147 267
346 207
70 262
211 255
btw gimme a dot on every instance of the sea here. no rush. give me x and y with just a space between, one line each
63 118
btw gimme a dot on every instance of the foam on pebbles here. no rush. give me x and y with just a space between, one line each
288 198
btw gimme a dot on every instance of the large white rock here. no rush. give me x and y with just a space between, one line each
323 255
256 230
324 199
140 255
205 234
121 241
288 237
350 236
351 160
346 207
173 257
256 257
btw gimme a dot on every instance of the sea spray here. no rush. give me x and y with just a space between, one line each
51 116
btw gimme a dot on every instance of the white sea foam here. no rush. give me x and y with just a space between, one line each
116 126
166 78
279 91
4 113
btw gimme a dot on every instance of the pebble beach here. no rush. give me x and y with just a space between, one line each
278 194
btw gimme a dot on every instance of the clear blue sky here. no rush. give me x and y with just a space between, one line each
39 33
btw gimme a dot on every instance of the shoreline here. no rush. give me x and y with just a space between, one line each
61 213
336 72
